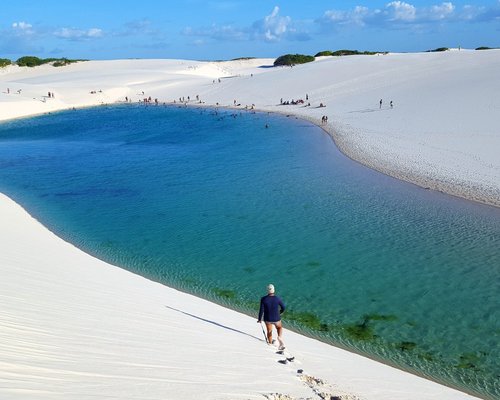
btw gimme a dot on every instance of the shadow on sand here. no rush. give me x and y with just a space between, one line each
214 323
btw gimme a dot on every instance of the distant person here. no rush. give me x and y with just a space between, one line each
271 308
380 103
391 104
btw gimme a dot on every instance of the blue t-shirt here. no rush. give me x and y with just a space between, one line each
271 307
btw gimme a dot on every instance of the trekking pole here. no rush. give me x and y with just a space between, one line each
264 333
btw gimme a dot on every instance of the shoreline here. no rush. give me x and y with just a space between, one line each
488 196
61 303
485 196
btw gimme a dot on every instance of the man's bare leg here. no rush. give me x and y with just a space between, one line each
269 333
279 328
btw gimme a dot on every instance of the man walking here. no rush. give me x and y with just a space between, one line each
271 308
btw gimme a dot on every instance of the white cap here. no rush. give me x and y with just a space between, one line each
270 288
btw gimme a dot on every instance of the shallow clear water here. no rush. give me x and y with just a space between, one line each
217 205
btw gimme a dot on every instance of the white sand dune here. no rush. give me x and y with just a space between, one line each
73 327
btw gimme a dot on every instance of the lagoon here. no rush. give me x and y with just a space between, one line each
214 203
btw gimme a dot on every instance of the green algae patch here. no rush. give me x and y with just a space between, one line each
364 330
313 264
307 320
469 361
224 293
427 356
406 346
361 331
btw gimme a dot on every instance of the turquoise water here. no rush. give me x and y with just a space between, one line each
215 204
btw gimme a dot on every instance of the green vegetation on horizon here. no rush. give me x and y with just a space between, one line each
284 60
243 58
292 59
32 61
4 62
439 49
339 53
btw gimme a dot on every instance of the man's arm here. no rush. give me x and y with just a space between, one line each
261 310
282 306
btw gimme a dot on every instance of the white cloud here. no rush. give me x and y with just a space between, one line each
78 34
94 33
470 13
401 11
22 25
275 26
355 16
442 11
481 13
271 28
23 28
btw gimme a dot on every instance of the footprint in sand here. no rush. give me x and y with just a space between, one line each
324 390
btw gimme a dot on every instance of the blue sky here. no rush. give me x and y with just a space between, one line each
226 29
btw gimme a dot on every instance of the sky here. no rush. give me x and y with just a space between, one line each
228 29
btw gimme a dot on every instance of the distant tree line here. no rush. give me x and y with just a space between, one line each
446 49
31 61
243 58
439 49
4 62
339 53
293 59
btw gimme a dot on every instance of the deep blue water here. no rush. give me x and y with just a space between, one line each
217 205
